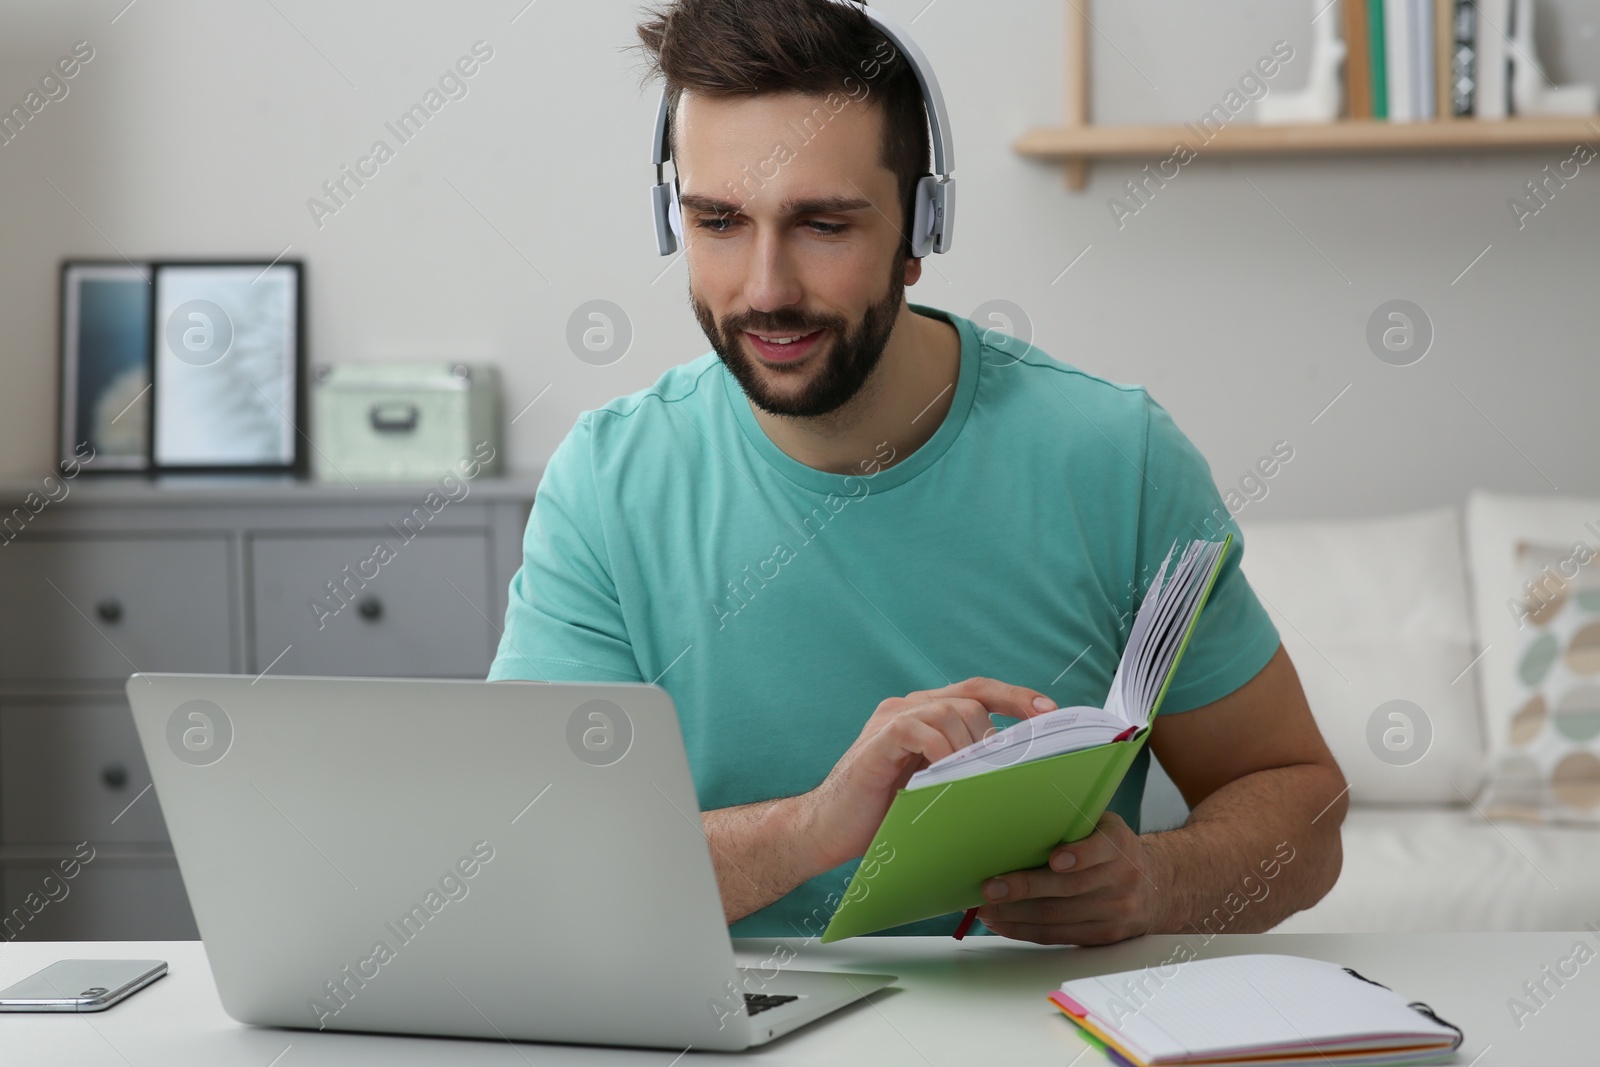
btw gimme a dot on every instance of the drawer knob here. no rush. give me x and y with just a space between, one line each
370 608
114 775
109 609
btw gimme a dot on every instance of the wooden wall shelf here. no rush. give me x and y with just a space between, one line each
1076 142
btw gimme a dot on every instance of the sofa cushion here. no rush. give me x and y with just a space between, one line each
1374 613
1442 868
1537 601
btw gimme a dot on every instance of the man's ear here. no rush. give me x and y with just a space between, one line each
913 271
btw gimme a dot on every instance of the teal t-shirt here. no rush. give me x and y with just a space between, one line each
671 541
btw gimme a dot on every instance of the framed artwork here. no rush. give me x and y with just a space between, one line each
105 364
227 367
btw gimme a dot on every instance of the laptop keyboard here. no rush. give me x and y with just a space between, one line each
756 1003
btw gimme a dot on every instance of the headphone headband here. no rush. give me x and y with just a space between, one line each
934 200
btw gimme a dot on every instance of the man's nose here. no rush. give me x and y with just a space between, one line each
772 282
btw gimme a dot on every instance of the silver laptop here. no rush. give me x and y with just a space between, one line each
494 860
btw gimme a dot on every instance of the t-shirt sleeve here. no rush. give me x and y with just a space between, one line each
564 622
1234 637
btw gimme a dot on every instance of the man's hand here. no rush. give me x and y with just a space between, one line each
903 735
1092 892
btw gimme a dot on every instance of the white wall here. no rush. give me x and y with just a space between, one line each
202 129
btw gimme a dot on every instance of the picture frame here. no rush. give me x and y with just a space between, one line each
228 366
104 346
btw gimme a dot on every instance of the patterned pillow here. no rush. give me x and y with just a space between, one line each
1548 767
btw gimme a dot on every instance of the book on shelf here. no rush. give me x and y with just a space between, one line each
1444 14
1464 58
1357 61
1005 802
1424 46
1377 48
1399 29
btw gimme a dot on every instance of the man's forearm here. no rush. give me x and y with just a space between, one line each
760 852
1252 853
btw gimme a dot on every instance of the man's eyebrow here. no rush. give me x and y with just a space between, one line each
815 205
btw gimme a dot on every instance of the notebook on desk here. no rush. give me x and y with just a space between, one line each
1261 1010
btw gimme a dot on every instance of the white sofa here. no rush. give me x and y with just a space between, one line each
1415 608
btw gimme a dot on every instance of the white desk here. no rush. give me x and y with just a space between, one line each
977 1002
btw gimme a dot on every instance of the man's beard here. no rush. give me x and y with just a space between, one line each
849 362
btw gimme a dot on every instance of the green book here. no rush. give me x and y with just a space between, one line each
1380 59
1004 803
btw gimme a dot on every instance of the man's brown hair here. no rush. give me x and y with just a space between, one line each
812 47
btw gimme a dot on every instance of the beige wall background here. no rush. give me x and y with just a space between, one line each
1239 295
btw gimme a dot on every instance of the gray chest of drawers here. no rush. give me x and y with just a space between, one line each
220 576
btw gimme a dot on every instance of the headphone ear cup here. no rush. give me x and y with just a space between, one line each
923 218
675 215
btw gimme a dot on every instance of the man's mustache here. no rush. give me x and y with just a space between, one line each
778 329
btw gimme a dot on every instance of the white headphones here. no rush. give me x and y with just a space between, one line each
935 199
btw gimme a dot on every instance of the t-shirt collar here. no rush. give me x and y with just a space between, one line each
908 467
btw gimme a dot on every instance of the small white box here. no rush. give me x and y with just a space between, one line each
404 421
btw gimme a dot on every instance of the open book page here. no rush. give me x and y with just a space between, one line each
1050 734
1136 654
1157 635
1147 662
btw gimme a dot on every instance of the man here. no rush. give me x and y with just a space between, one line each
860 526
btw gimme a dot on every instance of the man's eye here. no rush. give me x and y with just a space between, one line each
723 224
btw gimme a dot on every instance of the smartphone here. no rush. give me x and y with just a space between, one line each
81 985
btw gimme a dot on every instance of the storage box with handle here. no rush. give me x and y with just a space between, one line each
403 421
